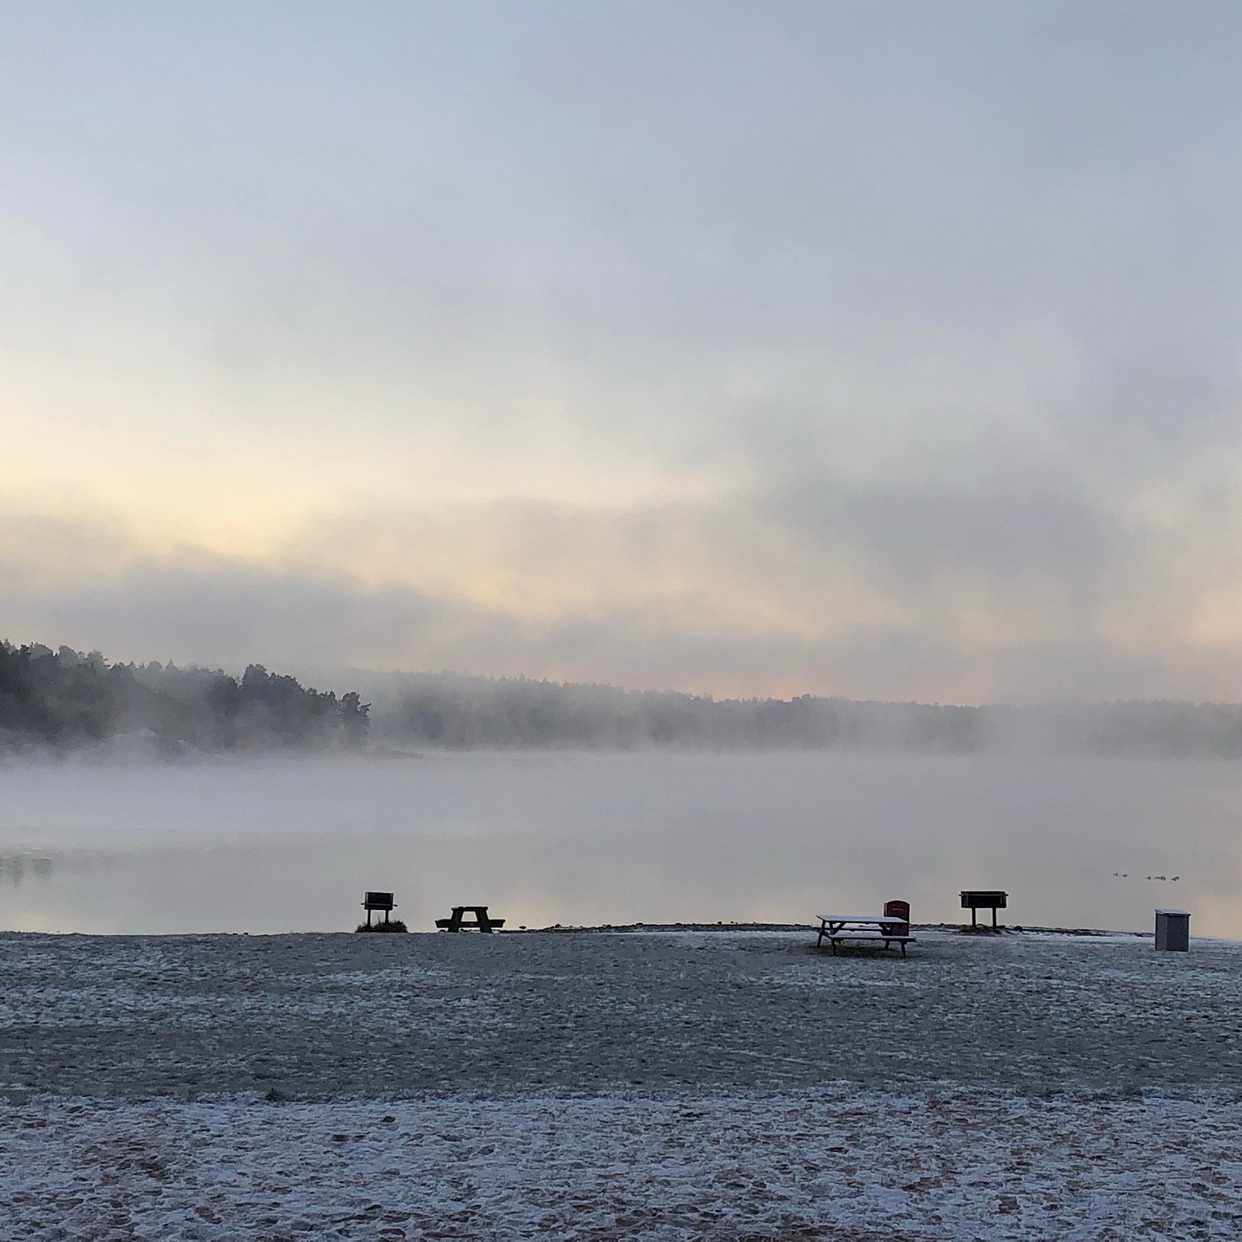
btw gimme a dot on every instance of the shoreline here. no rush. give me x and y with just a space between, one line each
559 929
963 929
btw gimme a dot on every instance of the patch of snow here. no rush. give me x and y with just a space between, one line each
833 1162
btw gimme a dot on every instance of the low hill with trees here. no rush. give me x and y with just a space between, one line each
66 698
453 711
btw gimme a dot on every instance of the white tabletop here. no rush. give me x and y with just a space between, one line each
859 918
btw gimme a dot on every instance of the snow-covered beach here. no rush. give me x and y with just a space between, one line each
665 1086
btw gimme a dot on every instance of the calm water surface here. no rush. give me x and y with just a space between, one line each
279 845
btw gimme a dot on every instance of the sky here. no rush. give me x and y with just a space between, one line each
883 350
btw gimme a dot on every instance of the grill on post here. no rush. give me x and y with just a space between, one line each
975 899
378 901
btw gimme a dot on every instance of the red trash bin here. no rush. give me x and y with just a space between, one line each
898 909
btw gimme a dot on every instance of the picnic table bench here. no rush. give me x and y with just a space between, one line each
481 920
885 928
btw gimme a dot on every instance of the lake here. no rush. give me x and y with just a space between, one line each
289 844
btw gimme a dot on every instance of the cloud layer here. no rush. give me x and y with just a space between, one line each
892 594
830 348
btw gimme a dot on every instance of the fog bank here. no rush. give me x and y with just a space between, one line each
290 843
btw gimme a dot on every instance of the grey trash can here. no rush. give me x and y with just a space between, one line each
1173 930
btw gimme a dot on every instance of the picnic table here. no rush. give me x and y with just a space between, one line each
456 922
836 928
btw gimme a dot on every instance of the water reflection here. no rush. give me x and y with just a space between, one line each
541 839
17 866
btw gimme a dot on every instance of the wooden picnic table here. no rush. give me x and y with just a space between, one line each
836 928
481 920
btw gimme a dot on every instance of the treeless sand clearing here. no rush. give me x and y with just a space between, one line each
696 1085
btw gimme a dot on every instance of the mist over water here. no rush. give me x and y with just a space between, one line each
290 844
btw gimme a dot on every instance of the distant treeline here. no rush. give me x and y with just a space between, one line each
476 712
449 710
65 698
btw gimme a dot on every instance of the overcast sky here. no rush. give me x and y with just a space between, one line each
879 349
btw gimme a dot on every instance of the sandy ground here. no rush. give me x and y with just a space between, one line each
662 1086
